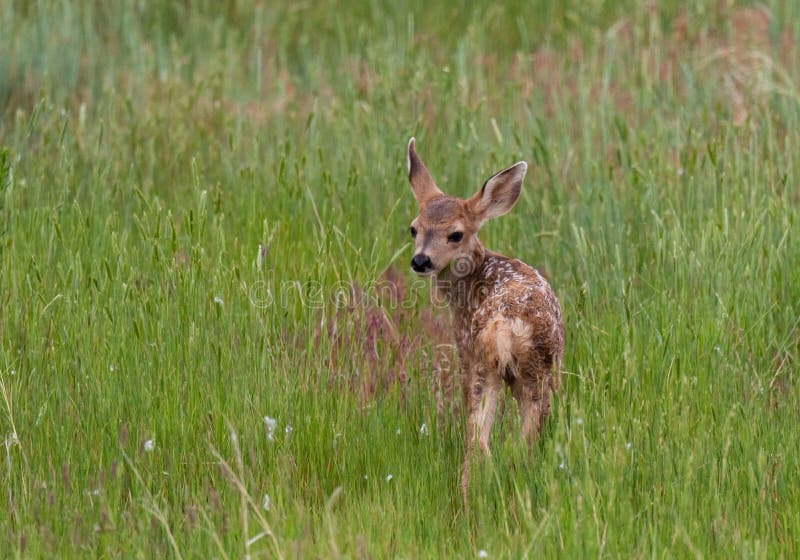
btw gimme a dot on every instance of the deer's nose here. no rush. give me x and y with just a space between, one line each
421 263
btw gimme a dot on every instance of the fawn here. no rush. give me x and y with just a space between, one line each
506 318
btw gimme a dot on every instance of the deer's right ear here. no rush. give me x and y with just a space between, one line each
420 178
499 193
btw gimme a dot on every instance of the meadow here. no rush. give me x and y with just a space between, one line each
211 344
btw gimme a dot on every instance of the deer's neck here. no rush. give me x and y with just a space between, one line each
463 284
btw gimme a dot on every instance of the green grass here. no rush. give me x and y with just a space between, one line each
151 151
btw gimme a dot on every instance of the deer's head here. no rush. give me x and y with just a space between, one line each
445 230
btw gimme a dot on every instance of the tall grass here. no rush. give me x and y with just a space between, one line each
203 215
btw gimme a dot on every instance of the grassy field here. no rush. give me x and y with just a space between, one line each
210 341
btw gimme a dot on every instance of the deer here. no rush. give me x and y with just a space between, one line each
506 319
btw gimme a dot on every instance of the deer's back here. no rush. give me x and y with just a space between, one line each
517 326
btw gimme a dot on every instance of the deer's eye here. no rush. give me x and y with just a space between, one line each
413 232
455 237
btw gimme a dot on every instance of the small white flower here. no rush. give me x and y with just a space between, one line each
389 477
270 424
111 368
13 372
218 300
483 554
628 445
266 502
288 430
149 445
423 429
562 466
579 421
365 477
398 431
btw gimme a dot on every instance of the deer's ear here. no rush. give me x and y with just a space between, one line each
499 193
421 181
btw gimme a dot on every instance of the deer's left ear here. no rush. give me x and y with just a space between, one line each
499 193
422 183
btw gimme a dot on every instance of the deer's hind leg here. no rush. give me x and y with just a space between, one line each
531 388
533 412
483 391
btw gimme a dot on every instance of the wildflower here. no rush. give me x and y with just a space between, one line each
288 430
398 431
149 445
579 421
389 477
423 429
270 424
628 446
218 300
483 554
266 502
562 466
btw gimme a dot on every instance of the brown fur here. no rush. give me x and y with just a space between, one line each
506 318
